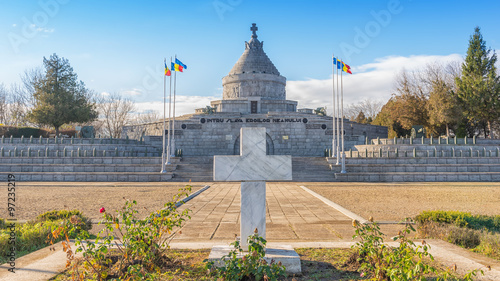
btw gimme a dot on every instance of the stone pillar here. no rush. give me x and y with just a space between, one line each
253 209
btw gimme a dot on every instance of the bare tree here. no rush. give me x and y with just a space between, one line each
114 113
370 109
18 106
148 116
3 104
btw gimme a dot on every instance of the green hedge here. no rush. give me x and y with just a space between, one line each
17 132
33 235
461 219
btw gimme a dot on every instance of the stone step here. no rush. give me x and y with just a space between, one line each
418 177
91 177
422 168
66 140
90 168
421 160
84 160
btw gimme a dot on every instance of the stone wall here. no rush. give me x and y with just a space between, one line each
288 133
266 86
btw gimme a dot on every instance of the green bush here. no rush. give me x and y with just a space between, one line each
252 266
34 235
405 262
467 238
56 215
17 132
461 219
145 242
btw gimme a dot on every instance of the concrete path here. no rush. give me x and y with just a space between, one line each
292 215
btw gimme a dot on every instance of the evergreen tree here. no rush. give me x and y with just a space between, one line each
478 88
361 118
59 97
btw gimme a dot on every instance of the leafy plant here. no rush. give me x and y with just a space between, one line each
32 235
461 219
405 262
142 244
252 266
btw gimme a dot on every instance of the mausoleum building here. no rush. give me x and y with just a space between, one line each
254 95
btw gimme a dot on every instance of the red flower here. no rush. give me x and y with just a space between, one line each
102 210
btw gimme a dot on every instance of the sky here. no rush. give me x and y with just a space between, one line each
118 47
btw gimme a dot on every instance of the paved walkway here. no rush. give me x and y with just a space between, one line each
292 215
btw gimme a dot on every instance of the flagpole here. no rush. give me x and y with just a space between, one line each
173 125
333 83
169 113
163 159
342 171
338 125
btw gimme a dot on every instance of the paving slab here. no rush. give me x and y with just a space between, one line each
291 214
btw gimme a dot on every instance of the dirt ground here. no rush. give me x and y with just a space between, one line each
383 201
396 201
34 198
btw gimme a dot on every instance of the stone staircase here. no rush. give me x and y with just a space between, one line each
311 169
196 169
403 160
90 169
304 169
68 159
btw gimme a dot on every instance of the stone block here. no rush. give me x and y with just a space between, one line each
279 253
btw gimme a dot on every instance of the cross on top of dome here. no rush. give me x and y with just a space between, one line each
254 29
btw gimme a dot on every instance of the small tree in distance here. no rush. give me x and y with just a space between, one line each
59 98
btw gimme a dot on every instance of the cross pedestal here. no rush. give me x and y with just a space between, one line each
253 168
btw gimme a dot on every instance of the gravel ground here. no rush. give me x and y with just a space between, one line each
34 198
383 201
396 201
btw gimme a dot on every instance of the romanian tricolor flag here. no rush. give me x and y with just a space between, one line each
177 67
180 63
346 68
167 71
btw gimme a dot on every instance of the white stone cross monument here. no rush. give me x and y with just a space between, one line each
252 167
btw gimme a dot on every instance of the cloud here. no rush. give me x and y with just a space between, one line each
184 105
14 25
41 29
133 92
373 81
370 81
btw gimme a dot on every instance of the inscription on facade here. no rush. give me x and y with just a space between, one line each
253 120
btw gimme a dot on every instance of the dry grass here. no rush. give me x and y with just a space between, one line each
396 201
36 198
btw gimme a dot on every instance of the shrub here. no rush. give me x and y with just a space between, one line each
17 132
56 215
142 243
480 241
405 262
467 238
252 266
33 235
461 219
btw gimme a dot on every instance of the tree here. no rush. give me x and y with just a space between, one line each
407 106
478 88
3 104
59 98
361 118
370 109
442 105
321 111
115 112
